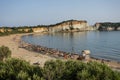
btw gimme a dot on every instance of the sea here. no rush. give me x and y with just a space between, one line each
102 44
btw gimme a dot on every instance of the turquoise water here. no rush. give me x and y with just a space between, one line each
102 44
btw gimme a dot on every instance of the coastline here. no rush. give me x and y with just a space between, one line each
67 56
13 42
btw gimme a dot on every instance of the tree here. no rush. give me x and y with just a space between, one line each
4 52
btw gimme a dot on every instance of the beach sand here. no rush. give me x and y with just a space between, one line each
12 41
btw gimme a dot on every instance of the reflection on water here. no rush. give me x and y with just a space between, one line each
102 44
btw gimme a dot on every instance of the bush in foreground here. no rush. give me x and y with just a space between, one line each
76 70
4 52
15 69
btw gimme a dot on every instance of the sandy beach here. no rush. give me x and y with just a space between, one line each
12 41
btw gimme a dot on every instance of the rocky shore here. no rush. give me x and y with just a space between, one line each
36 54
65 55
49 51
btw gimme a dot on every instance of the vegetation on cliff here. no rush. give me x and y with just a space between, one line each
16 69
68 21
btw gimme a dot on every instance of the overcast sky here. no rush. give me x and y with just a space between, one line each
36 12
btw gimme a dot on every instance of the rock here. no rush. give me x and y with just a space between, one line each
86 55
86 52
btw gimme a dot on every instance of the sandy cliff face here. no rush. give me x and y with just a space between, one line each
25 30
72 25
42 29
4 30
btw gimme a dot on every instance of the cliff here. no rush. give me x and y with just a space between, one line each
70 25
65 26
2 30
108 26
40 29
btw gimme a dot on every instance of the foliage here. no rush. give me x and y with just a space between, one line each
53 70
107 24
76 70
15 69
4 52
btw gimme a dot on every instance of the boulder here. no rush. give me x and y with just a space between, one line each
86 55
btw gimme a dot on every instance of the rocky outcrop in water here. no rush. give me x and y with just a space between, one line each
107 26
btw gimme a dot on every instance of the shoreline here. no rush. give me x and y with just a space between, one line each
66 55
35 56
12 41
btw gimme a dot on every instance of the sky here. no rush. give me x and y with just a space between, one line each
45 12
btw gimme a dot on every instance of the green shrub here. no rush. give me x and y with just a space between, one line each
15 69
4 52
76 70
53 70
